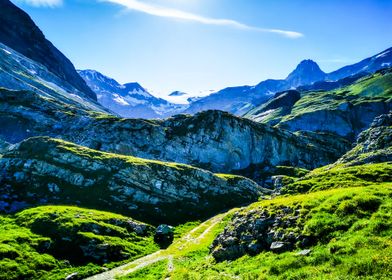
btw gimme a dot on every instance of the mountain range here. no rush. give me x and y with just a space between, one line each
299 187
239 100
128 100
236 100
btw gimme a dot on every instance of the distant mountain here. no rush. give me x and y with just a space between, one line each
344 108
307 72
241 99
177 93
18 31
128 100
370 64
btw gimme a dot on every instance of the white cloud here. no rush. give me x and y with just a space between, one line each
181 15
42 3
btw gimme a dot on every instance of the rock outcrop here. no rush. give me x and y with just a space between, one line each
373 145
251 232
42 170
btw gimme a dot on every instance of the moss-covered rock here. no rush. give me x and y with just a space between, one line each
373 145
42 170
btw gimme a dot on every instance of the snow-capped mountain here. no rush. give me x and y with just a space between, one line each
128 100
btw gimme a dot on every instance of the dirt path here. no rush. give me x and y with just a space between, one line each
195 236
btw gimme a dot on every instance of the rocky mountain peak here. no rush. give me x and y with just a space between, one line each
135 88
306 72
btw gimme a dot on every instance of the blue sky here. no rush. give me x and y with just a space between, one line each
197 45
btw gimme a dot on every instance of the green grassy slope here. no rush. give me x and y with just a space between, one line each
353 228
346 219
373 88
52 242
338 104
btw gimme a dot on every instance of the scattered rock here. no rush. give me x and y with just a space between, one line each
279 247
164 235
305 252
255 231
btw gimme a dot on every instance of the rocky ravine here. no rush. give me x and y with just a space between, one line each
42 170
213 140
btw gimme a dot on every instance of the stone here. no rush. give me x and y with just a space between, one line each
164 235
279 247
304 252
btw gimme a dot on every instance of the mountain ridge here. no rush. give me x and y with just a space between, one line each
19 32
129 99
239 100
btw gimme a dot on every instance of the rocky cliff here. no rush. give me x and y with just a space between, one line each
48 171
373 145
213 140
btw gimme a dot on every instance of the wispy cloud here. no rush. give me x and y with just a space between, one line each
42 3
181 15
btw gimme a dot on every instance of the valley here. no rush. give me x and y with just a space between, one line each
287 179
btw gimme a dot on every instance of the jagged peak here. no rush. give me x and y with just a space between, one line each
306 72
306 65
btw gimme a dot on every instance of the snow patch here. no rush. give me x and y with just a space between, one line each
119 100
6 51
382 54
139 92
75 96
134 101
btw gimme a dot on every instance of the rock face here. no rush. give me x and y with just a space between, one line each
213 140
256 231
19 32
43 170
130 100
373 145
21 73
347 120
